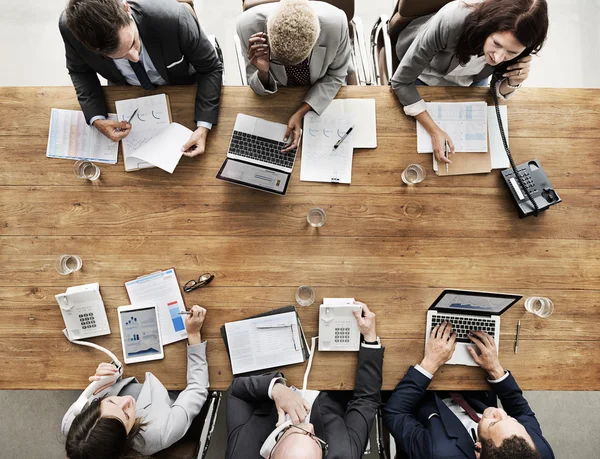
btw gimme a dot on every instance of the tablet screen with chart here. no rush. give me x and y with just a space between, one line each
492 303
140 334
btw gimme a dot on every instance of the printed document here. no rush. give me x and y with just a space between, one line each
320 161
164 150
161 289
365 128
464 122
264 342
70 137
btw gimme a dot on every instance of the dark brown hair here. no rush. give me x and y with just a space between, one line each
92 436
511 448
96 23
526 19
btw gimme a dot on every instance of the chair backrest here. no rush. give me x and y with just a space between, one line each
407 10
347 6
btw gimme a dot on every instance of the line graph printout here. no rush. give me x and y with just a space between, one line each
320 161
151 119
71 137
464 122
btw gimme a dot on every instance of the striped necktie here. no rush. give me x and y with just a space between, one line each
141 74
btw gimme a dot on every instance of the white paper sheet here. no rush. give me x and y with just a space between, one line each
320 161
464 122
252 348
70 137
161 289
150 120
164 150
365 126
498 154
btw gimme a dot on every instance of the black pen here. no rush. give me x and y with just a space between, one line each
339 142
517 337
132 115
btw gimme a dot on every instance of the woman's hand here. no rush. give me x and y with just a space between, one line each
193 324
258 52
438 142
518 72
104 369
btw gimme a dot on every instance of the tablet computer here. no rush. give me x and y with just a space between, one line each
140 333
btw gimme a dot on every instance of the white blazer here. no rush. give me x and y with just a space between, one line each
330 61
167 421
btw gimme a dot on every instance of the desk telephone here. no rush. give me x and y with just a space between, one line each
530 187
83 311
338 330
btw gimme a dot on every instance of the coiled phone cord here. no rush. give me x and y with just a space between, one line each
512 163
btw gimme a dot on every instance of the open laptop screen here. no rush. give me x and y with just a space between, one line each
474 302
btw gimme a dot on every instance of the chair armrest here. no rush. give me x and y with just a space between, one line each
362 52
240 59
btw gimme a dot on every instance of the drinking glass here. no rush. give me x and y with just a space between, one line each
67 264
413 174
316 217
540 306
86 170
305 295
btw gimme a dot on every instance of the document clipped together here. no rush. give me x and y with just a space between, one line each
70 137
266 341
153 141
162 290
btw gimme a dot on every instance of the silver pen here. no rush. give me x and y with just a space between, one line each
339 142
446 152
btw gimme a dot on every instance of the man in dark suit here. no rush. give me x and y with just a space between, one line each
145 43
336 423
466 425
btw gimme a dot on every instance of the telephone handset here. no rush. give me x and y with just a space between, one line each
528 183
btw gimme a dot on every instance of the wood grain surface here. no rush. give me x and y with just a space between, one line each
392 246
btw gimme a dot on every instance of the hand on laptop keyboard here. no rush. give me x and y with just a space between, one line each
439 348
488 354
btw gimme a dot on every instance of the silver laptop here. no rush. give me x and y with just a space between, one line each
467 310
254 157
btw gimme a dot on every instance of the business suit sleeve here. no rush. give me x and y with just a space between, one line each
84 78
361 410
412 436
431 39
188 404
203 57
320 95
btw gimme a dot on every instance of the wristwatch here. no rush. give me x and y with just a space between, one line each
372 343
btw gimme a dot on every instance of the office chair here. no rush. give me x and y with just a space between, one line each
384 35
359 53
195 443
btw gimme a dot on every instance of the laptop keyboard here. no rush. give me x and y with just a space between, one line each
261 149
463 325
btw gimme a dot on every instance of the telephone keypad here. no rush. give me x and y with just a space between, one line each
87 320
342 335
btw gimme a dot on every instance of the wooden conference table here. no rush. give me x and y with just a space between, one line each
392 246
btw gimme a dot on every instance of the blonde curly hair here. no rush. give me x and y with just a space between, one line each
293 30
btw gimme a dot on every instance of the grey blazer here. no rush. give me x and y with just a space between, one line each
430 42
167 420
330 61
177 46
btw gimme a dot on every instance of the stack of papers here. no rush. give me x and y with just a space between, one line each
71 137
320 161
153 141
161 289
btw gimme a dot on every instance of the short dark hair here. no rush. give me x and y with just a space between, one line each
526 19
96 23
92 436
511 448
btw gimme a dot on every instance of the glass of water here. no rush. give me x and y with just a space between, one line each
413 174
537 305
316 217
305 295
67 264
86 170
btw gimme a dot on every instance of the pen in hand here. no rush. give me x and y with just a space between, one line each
132 115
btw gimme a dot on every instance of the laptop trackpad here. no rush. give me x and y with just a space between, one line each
245 123
461 355
269 130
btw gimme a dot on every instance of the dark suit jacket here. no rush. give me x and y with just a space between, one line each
407 415
342 419
170 34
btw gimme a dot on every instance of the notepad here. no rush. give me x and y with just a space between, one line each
161 289
268 341
70 137
464 122
148 145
